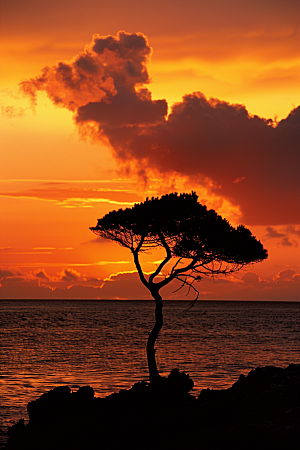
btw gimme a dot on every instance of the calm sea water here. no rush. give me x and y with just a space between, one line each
103 344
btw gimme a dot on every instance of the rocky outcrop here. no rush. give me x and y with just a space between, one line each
260 411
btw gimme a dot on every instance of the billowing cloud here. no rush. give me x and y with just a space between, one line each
70 275
252 161
285 275
102 81
212 139
18 288
251 278
126 285
41 275
68 284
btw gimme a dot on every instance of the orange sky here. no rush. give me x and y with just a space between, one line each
58 175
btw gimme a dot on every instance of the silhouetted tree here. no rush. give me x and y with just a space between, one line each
199 240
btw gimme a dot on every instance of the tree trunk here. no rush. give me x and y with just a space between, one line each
153 372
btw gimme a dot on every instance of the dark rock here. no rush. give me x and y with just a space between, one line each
261 411
180 382
49 404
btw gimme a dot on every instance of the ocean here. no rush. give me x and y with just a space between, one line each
45 344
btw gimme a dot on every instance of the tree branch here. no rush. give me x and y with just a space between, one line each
185 282
137 262
175 273
164 262
175 265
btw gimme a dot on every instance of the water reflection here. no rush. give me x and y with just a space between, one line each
103 344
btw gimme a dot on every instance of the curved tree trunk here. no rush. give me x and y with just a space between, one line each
153 372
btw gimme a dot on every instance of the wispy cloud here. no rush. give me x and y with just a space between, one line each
283 236
13 111
69 194
26 253
64 264
273 233
53 248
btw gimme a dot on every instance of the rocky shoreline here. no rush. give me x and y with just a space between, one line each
260 411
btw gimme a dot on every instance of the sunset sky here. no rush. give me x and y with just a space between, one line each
106 103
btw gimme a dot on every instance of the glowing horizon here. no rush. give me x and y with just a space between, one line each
121 135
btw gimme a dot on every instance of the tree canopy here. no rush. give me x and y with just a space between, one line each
199 241
202 242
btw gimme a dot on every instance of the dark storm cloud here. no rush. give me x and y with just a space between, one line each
140 109
251 161
256 164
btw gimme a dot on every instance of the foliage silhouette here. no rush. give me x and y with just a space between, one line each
199 241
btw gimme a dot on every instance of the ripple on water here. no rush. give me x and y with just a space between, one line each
102 344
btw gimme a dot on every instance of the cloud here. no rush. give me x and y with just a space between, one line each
293 230
249 287
13 111
101 80
284 237
68 284
286 242
125 285
72 285
41 274
70 275
285 275
18 288
273 233
98 240
251 278
6 273
69 195
251 161
222 142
